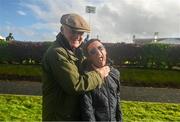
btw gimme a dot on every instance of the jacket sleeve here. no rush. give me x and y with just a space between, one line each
118 109
66 73
87 111
115 74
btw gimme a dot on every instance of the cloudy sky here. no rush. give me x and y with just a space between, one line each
114 20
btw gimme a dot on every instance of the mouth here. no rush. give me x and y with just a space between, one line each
75 42
101 59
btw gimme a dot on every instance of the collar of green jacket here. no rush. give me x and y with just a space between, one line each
64 43
62 40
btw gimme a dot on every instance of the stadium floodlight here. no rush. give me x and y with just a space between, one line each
90 9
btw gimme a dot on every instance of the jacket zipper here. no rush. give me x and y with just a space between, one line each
108 93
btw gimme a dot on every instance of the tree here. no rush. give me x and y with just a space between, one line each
9 37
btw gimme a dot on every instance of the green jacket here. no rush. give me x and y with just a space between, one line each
63 82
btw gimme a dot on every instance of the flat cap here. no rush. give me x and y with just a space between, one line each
75 22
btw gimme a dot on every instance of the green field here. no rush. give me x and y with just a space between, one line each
151 77
150 112
129 76
20 70
21 108
29 108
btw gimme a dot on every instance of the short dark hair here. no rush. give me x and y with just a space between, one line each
87 44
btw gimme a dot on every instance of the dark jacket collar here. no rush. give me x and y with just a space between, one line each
63 41
65 44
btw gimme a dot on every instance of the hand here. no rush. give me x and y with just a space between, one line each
104 71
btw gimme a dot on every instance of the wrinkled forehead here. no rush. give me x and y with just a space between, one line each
94 44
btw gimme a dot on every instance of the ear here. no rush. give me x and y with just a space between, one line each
62 29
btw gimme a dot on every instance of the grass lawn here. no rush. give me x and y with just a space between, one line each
20 70
29 108
137 77
150 77
150 111
21 108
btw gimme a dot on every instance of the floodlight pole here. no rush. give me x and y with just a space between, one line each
90 20
89 10
91 26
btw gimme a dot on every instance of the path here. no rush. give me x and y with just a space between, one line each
127 93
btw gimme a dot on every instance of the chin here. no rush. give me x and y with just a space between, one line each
103 64
100 65
75 45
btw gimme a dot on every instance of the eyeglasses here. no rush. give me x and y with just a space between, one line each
74 33
94 51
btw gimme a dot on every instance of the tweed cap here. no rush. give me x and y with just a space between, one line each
75 22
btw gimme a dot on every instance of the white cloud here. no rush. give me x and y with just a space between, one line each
21 13
137 17
28 33
114 20
51 11
45 26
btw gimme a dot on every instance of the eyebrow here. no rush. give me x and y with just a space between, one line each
73 32
94 50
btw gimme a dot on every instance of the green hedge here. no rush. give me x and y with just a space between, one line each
159 56
16 52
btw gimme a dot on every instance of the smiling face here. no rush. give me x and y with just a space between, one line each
73 37
97 54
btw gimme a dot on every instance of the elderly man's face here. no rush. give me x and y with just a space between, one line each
97 54
74 38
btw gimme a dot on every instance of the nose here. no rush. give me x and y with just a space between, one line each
99 52
78 37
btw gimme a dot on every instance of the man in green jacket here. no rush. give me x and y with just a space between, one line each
63 80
